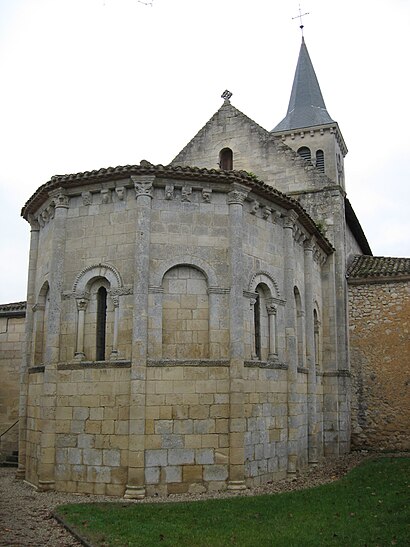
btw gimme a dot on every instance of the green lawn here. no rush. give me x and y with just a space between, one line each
368 507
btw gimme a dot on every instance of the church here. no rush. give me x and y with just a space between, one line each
187 326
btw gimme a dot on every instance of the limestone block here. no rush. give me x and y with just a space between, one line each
92 456
183 427
152 475
74 456
172 441
181 456
111 458
204 426
156 458
98 474
173 474
192 473
215 472
204 456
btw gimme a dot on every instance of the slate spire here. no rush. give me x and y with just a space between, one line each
306 106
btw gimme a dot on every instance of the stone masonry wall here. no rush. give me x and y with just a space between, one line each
380 358
186 429
11 339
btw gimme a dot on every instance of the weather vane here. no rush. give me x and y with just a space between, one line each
300 18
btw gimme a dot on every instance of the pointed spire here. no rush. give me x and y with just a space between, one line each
306 106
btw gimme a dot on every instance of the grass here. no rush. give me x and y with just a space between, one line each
367 507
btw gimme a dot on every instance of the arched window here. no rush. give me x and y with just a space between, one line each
226 159
320 160
316 326
257 322
305 153
40 324
101 323
262 341
300 333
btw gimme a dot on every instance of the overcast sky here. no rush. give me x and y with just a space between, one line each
87 84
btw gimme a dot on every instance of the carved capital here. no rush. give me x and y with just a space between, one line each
60 199
309 244
34 224
115 299
82 304
143 186
271 309
237 196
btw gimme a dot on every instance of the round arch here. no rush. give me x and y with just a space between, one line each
85 278
186 260
268 280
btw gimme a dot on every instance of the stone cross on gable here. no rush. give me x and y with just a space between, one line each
226 95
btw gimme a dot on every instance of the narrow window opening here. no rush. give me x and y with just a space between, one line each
226 159
101 322
305 153
317 338
320 160
257 320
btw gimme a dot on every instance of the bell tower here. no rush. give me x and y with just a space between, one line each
308 128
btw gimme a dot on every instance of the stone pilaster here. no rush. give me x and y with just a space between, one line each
135 488
343 366
46 467
313 429
291 340
330 361
27 347
237 421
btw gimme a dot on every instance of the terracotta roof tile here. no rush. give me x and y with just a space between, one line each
13 308
364 266
180 173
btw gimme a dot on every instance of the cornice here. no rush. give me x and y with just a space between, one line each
72 184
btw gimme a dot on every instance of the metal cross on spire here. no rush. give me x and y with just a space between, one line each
300 18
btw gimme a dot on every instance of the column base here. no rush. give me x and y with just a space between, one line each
134 492
21 472
79 356
236 486
45 486
292 465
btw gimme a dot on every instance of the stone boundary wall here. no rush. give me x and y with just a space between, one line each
11 339
380 364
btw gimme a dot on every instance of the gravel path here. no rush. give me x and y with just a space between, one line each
26 520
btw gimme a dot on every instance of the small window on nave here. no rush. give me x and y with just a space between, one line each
226 159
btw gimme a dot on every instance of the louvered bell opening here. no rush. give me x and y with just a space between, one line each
305 153
320 161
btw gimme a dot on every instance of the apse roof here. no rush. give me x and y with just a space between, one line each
306 106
